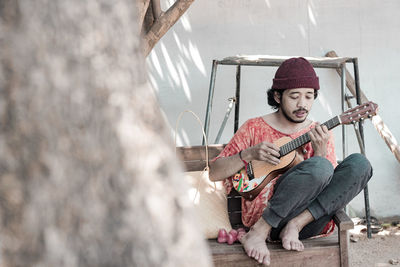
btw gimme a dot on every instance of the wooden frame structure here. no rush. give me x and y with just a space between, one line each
337 63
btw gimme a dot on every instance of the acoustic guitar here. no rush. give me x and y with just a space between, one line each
250 180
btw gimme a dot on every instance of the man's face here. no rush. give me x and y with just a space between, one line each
296 103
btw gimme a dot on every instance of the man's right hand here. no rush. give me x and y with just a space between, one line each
263 151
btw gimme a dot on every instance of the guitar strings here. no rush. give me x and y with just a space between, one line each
305 138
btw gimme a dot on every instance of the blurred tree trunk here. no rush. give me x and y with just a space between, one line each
87 169
154 23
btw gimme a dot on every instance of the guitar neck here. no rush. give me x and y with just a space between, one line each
305 138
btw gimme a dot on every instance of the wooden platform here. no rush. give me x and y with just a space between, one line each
318 252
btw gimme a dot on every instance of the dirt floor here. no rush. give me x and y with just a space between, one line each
383 249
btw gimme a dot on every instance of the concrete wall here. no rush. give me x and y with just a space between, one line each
179 68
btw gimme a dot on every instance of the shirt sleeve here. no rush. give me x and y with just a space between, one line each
240 141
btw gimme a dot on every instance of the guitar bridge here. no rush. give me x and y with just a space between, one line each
249 171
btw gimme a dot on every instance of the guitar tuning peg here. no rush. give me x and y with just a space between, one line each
369 116
353 122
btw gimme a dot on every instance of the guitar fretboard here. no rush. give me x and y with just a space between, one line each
305 138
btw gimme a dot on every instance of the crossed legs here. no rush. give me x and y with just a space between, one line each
304 201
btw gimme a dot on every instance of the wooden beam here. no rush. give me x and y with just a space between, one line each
317 252
343 221
377 121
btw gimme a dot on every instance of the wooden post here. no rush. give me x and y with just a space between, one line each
377 121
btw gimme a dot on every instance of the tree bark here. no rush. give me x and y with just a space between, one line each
163 23
87 169
143 5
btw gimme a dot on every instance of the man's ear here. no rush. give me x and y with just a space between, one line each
277 97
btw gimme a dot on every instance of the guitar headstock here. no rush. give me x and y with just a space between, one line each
363 111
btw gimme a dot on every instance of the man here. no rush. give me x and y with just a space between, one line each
301 202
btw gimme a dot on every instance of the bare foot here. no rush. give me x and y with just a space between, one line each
254 242
290 237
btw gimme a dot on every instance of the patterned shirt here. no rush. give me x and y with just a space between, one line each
251 133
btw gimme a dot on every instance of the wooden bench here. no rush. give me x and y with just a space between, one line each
324 251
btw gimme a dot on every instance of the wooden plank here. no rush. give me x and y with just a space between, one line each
317 252
234 204
275 61
329 241
344 248
235 217
191 166
193 157
188 153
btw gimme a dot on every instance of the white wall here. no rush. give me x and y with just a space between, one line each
179 68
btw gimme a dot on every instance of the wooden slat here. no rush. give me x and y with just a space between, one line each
234 204
275 61
235 218
317 252
234 193
193 157
344 248
189 153
191 166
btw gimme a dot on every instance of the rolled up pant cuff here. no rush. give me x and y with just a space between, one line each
316 210
271 217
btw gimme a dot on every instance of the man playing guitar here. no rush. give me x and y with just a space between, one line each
299 203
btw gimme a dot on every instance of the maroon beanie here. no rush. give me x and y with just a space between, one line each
295 73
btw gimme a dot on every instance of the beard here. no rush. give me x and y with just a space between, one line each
293 120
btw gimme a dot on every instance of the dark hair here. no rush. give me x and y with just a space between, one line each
271 99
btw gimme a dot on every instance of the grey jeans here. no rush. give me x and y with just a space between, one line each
315 185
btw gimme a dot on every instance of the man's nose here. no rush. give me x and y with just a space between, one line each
301 103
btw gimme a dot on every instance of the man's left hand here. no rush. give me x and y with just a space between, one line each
319 139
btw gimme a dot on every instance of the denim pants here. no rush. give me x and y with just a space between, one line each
315 185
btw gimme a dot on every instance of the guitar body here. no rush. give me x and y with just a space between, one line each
264 172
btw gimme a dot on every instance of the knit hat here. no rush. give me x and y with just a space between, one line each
295 73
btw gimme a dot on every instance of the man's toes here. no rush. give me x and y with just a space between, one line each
300 246
259 257
286 245
266 260
249 252
256 255
295 245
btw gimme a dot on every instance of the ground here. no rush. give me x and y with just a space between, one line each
383 249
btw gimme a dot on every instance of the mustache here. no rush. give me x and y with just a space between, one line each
301 110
